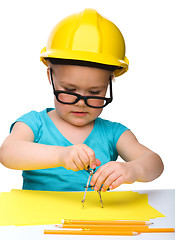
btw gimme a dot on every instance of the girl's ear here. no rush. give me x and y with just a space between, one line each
48 74
113 77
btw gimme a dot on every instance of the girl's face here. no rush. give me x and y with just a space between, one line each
86 81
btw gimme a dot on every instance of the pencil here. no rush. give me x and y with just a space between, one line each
91 232
158 230
136 228
101 222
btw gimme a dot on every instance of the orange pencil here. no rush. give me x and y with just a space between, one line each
91 232
101 222
158 230
136 228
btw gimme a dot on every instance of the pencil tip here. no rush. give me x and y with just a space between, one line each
136 233
59 225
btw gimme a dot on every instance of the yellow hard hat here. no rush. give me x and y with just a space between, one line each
87 37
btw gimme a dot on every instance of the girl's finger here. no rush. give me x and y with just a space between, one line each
74 167
98 163
84 159
117 183
102 177
96 175
91 155
79 163
109 181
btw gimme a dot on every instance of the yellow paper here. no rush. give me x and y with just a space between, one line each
24 207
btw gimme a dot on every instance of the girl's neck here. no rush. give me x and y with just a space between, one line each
74 134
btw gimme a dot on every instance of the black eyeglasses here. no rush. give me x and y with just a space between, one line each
67 97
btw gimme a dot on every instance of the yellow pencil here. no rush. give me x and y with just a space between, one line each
101 222
136 228
91 232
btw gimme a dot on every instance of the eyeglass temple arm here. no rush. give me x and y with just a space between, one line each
110 83
51 79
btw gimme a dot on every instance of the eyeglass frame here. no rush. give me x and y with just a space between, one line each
79 96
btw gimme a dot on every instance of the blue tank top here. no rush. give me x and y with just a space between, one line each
102 139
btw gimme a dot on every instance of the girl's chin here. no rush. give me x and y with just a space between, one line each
79 122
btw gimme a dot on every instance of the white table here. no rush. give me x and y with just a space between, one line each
162 200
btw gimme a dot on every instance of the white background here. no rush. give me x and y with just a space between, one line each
144 97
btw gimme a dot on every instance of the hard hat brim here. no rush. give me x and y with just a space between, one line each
86 56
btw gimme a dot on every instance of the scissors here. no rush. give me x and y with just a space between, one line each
91 172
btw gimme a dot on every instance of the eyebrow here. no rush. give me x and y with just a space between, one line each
67 84
75 86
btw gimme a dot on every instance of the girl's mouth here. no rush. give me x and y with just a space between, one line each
79 113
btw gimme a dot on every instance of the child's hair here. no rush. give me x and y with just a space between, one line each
59 61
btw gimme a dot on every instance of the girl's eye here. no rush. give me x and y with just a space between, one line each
70 90
95 92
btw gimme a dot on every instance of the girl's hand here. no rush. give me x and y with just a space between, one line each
113 174
78 157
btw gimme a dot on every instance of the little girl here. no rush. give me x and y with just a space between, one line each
55 147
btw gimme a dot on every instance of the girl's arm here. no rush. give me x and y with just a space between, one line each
141 164
147 163
20 152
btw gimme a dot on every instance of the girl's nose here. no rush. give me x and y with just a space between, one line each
80 103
